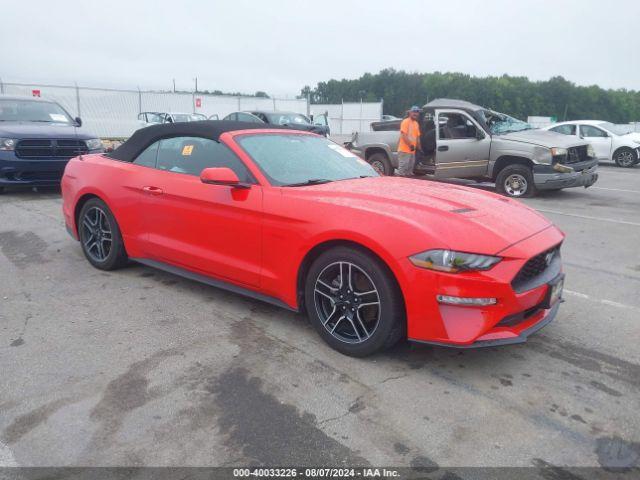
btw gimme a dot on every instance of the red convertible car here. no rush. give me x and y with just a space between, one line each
289 217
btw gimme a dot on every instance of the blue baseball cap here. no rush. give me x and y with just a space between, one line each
415 108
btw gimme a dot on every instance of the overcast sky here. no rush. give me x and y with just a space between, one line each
280 46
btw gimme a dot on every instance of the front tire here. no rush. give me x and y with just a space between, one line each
516 181
354 302
625 157
100 236
381 164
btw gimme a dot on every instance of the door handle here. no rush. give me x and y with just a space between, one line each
443 148
152 190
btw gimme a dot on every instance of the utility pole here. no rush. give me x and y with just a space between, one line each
174 85
196 79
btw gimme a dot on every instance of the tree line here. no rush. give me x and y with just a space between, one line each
516 96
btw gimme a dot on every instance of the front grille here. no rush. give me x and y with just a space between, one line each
57 148
535 266
574 155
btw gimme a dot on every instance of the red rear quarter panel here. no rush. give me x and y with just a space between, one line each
112 181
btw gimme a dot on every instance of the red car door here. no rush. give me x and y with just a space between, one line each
210 229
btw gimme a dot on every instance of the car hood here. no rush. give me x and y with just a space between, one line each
460 218
544 138
20 130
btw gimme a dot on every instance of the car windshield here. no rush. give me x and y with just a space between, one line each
32 111
291 160
499 123
287 119
617 129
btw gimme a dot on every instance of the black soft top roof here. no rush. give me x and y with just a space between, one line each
211 129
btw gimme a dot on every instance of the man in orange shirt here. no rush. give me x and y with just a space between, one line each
409 142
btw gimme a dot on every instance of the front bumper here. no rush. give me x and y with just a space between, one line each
32 172
545 178
507 338
511 320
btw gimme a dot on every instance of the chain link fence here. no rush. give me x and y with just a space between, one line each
113 113
348 117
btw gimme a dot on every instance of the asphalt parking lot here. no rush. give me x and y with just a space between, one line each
140 367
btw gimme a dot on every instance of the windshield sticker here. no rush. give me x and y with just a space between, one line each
187 150
58 117
342 151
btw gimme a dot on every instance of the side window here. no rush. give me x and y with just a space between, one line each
565 129
191 155
141 117
231 116
246 117
455 126
148 157
590 131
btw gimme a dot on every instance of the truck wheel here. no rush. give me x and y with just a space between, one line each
625 157
516 181
380 164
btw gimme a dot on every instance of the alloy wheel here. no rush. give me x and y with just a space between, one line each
625 158
515 185
347 302
97 237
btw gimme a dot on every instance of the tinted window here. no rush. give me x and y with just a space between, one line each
565 129
589 131
454 126
191 155
231 116
247 117
148 156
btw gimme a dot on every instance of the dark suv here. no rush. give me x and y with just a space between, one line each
37 139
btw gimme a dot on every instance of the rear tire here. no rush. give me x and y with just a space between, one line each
625 157
381 164
100 236
516 181
354 303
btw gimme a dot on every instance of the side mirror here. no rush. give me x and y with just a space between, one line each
222 176
78 121
480 135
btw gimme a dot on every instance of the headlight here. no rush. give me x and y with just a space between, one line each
542 155
636 141
556 152
591 152
453 262
7 144
94 144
